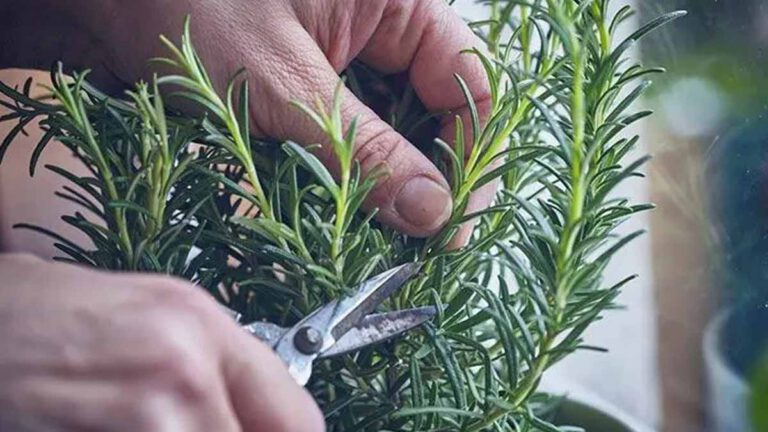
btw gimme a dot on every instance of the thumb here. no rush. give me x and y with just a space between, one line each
413 198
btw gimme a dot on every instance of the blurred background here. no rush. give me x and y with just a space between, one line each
696 323
710 234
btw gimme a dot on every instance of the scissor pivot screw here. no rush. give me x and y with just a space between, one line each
308 340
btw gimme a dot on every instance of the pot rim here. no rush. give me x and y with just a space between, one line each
614 415
588 398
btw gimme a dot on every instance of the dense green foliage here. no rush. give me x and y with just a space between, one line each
759 399
268 231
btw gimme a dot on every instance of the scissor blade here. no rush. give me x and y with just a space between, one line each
267 332
377 328
235 315
350 311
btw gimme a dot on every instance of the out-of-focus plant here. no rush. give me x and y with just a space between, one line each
758 406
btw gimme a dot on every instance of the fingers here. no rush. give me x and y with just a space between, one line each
264 396
414 198
426 38
109 404
150 354
138 356
256 389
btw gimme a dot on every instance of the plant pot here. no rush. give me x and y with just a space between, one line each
588 417
732 344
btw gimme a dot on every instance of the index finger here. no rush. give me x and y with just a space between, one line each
263 394
427 38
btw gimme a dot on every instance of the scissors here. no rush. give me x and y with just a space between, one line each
343 325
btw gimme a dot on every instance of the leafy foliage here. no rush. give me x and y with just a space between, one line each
268 231
759 398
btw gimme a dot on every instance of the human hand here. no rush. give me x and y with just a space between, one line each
89 351
294 50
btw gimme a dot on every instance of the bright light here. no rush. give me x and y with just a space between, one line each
692 107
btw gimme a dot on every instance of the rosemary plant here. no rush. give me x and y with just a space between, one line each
268 231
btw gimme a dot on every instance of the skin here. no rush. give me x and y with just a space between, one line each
143 353
153 354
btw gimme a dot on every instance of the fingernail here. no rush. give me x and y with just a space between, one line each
424 203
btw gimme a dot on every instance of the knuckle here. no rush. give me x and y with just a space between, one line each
155 412
301 83
377 146
399 10
190 383
425 14
169 286
181 366
182 297
434 14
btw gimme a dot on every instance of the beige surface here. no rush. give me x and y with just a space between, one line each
682 264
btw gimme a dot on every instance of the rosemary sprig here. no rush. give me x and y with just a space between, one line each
197 86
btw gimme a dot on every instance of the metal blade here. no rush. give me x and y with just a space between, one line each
267 332
377 328
351 310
